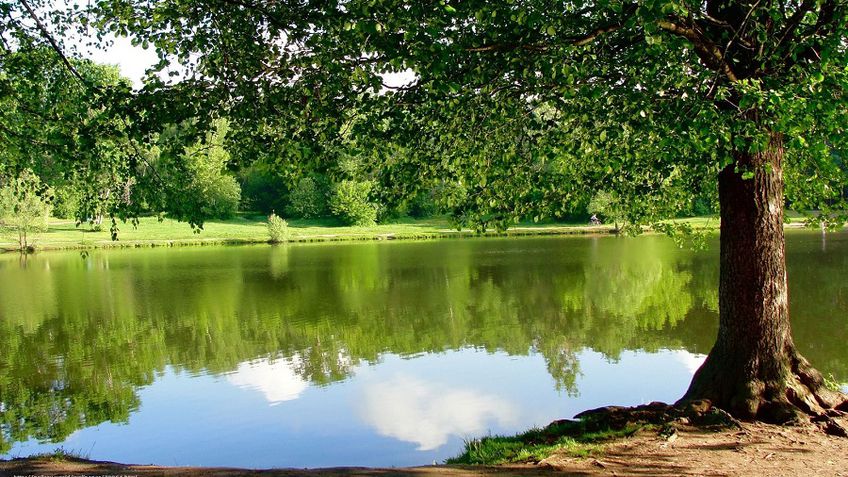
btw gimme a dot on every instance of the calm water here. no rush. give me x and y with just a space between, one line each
364 354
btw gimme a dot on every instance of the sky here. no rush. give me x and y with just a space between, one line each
134 60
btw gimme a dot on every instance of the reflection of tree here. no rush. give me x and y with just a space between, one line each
819 300
629 288
75 352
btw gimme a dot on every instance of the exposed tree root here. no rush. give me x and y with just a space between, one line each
699 413
798 394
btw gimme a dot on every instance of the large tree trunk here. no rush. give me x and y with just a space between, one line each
753 370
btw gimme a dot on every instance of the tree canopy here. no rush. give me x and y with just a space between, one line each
532 105
645 99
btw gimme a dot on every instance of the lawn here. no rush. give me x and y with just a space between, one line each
150 231
64 234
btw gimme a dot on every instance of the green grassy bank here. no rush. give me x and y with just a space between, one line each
150 232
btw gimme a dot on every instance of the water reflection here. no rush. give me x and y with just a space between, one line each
427 412
277 380
322 341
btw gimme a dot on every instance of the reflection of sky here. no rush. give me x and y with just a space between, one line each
276 380
400 411
427 413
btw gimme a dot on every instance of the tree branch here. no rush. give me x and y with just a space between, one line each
506 47
581 40
793 22
708 51
47 36
591 36
67 63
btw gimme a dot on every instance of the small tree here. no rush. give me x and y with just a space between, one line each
216 192
25 206
350 203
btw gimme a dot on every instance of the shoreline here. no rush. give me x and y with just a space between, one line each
750 448
6 247
65 235
425 230
332 236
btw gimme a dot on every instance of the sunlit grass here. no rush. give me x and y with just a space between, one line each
569 437
150 231
60 454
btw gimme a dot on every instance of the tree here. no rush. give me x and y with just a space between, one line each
217 191
349 202
645 99
196 184
25 206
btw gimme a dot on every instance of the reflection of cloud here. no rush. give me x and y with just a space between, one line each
690 361
416 411
276 380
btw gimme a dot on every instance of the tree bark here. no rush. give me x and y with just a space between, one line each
754 370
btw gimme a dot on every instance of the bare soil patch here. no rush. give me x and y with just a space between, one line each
753 449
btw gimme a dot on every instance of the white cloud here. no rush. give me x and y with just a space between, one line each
425 413
689 360
131 60
276 380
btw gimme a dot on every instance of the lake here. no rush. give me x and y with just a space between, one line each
377 354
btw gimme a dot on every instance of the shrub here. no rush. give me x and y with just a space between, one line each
349 202
439 199
278 229
308 199
704 205
222 197
390 212
447 195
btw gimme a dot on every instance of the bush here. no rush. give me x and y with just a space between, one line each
350 204
703 205
390 212
308 199
278 229
447 195
216 191
439 199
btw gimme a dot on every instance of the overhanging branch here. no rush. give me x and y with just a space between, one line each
707 50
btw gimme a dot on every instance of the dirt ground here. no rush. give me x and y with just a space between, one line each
754 450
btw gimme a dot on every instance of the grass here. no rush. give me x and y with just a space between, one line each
244 229
60 454
64 234
569 437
